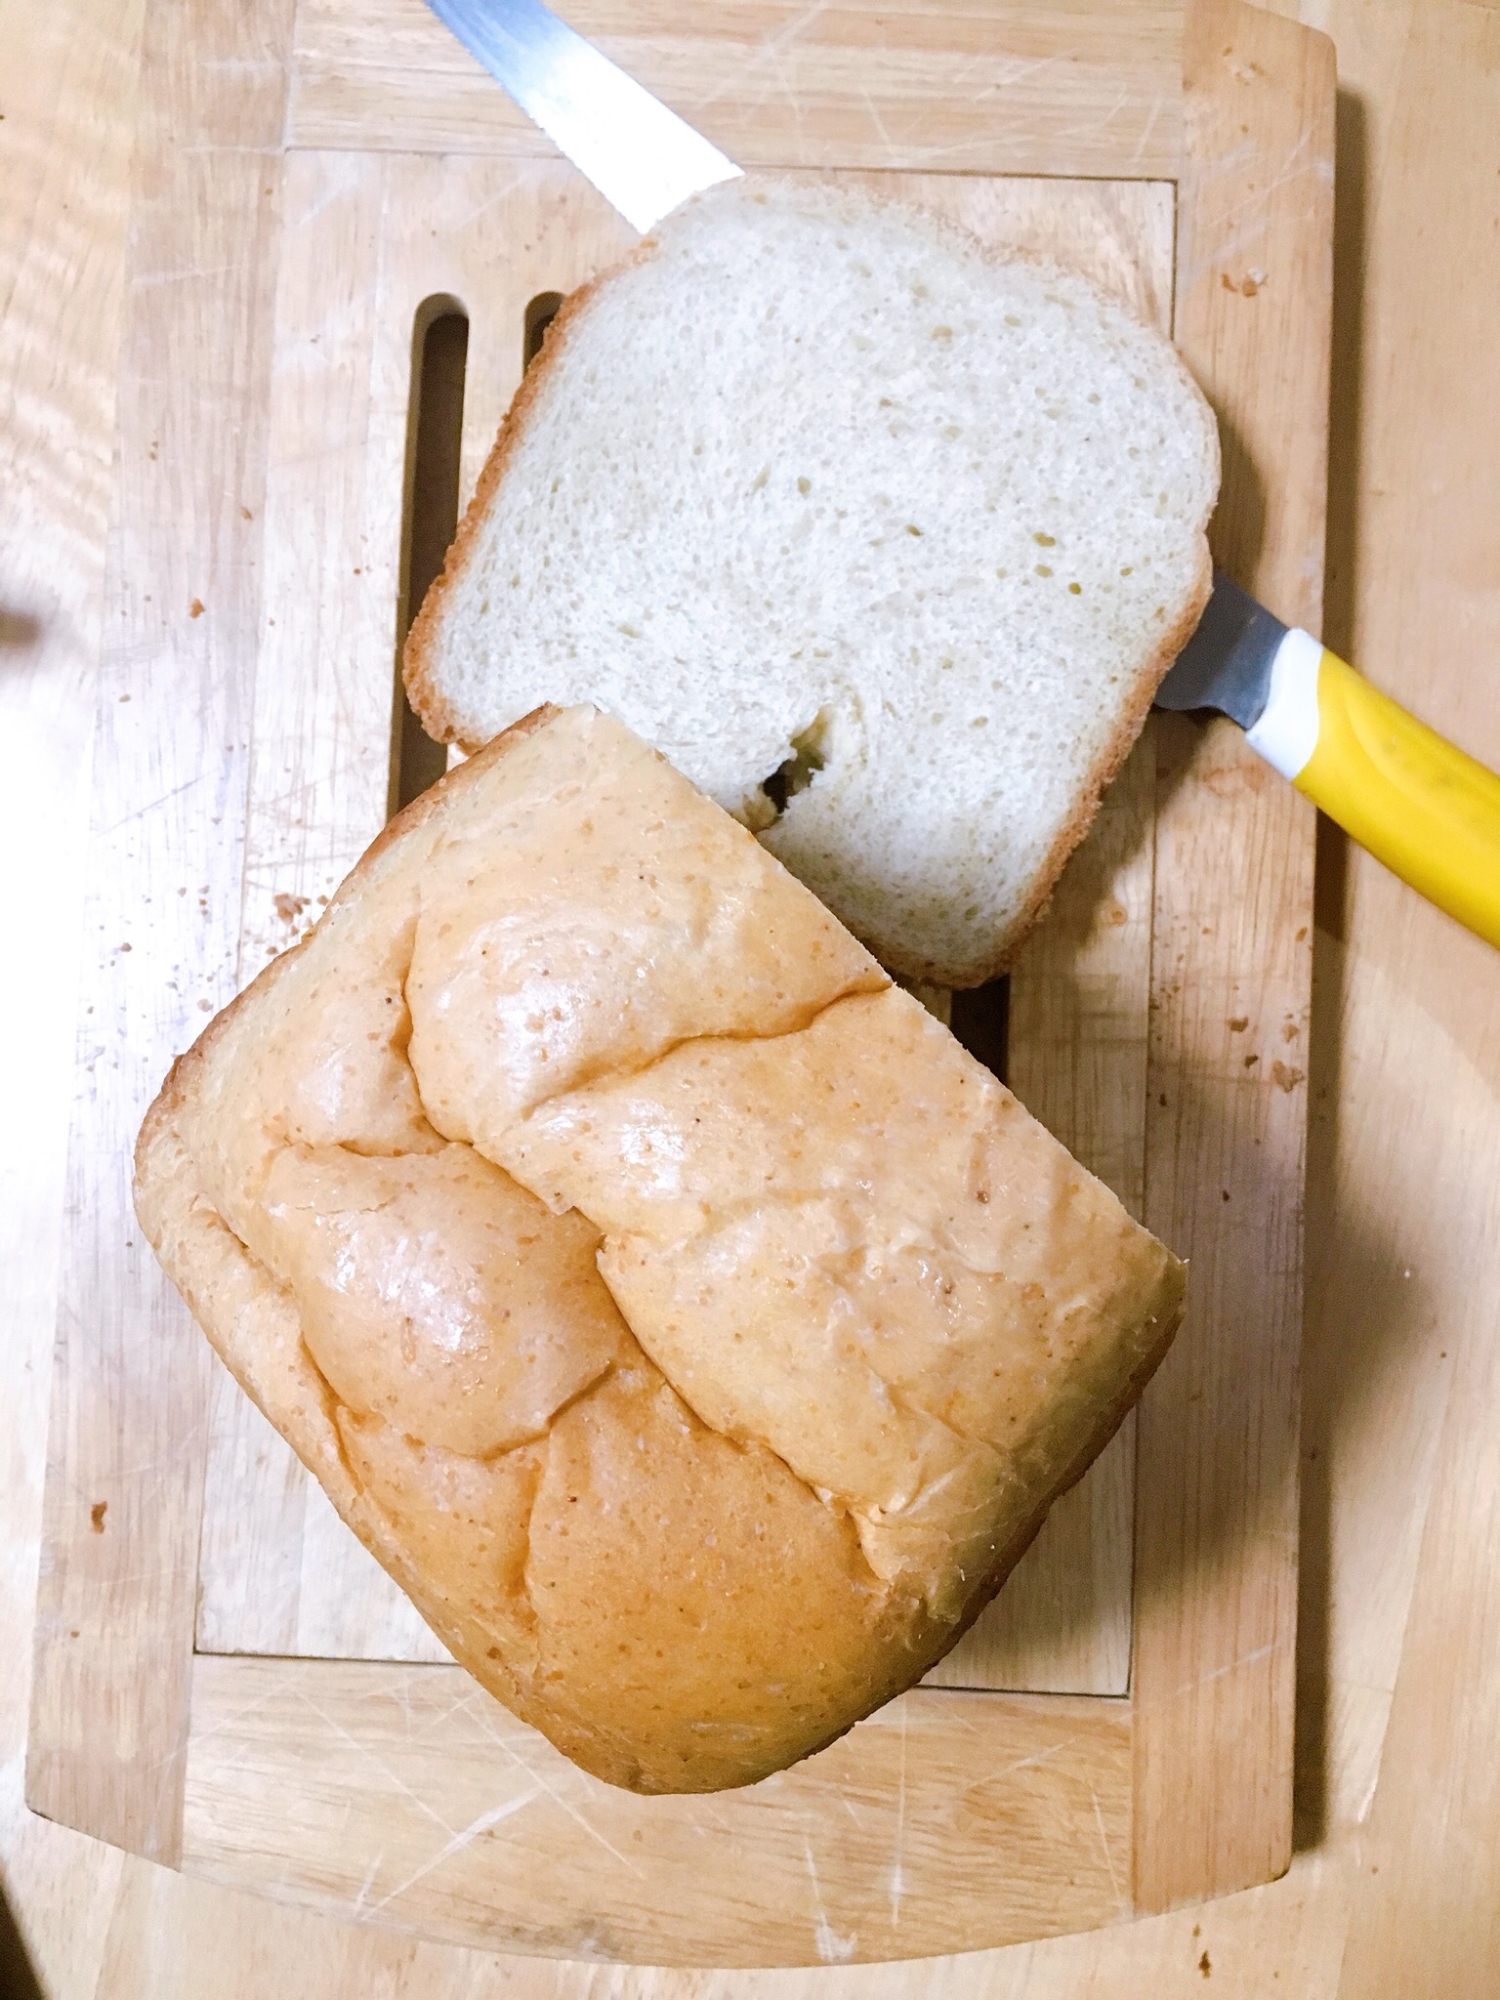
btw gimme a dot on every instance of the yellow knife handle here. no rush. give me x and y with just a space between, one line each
1428 811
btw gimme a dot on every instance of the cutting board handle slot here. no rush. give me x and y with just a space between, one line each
540 313
434 446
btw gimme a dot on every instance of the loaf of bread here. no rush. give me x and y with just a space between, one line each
688 1324
886 541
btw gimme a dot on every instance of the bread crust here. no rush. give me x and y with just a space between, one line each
844 1638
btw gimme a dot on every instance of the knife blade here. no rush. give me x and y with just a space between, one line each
1424 808
1227 663
642 158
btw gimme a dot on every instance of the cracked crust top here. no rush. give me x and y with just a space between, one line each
681 1317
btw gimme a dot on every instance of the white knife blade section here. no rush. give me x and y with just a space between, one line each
641 157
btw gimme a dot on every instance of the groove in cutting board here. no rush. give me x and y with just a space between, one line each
435 422
980 1019
435 419
540 313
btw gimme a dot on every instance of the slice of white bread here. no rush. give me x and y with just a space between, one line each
690 1326
814 485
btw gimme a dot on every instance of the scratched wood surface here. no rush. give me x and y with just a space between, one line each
430 1807
1092 87
119 1700
1216 1576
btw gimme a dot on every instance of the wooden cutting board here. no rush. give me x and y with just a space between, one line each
224 1681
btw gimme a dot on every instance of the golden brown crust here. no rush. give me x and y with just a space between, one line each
617 1569
1110 1420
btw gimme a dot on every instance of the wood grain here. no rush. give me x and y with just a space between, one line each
311 783
1416 1269
1216 1535
66 142
1411 1021
115 1609
1089 88
406 1795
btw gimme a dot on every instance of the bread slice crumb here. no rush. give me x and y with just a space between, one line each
883 539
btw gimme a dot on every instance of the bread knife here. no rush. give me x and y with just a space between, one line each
1421 806
1415 801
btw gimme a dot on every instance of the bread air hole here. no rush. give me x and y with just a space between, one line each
809 755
